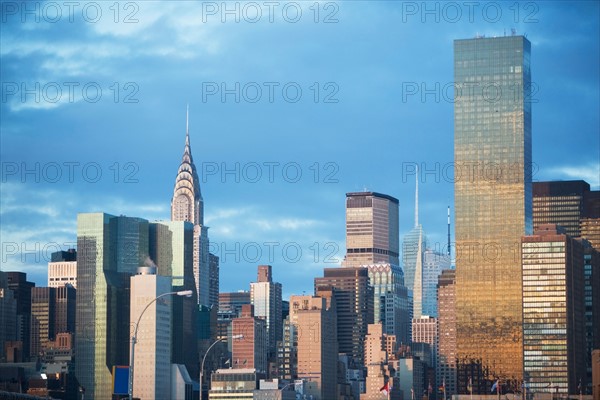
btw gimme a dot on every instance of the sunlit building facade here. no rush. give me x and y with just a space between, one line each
371 229
493 199
553 310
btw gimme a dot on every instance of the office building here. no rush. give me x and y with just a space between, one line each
187 205
152 362
560 203
493 200
317 349
413 248
446 363
110 249
237 383
371 229
17 282
553 310
287 352
62 268
265 296
425 330
43 308
434 263
232 302
171 249
353 295
213 265
8 318
378 371
390 300
251 350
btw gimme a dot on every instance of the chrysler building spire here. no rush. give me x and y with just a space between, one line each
187 204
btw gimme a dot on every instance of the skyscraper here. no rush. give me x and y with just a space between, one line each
559 202
250 351
353 297
110 249
171 248
553 310
187 205
317 344
43 308
434 263
413 248
492 157
265 296
390 300
446 365
575 208
152 368
371 229
17 282
62 268
425 330
8 317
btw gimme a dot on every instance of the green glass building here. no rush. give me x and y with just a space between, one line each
110 249
492 156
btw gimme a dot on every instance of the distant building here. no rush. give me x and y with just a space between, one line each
371 229
553 310
315 321
287 352
353 297
232 302
446 365
213 265
424 330
434 263
391 305
265 296
242 381
560 203
8 318
43 316
251 350
152 368
62 269
379 374
413 249
17 282
187 205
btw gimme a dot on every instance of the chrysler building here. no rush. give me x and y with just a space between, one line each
187 205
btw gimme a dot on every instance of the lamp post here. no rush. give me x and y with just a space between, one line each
186 293
204 358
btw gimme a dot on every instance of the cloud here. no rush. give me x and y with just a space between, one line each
589 172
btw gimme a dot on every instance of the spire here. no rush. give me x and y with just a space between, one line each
187 125
417 198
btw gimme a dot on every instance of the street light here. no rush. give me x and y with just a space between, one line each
205 354
186 293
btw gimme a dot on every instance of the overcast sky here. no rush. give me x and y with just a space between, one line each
291 105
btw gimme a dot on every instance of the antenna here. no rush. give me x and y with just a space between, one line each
187 125
417 198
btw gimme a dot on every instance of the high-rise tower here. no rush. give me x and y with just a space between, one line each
187 205
413 247
493 199
371 229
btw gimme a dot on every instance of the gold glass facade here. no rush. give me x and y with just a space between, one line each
492 155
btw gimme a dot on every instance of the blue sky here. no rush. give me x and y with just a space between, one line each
94 102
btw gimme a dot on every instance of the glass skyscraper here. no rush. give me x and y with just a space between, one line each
493 199
109 251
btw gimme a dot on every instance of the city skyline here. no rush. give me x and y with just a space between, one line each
142 141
